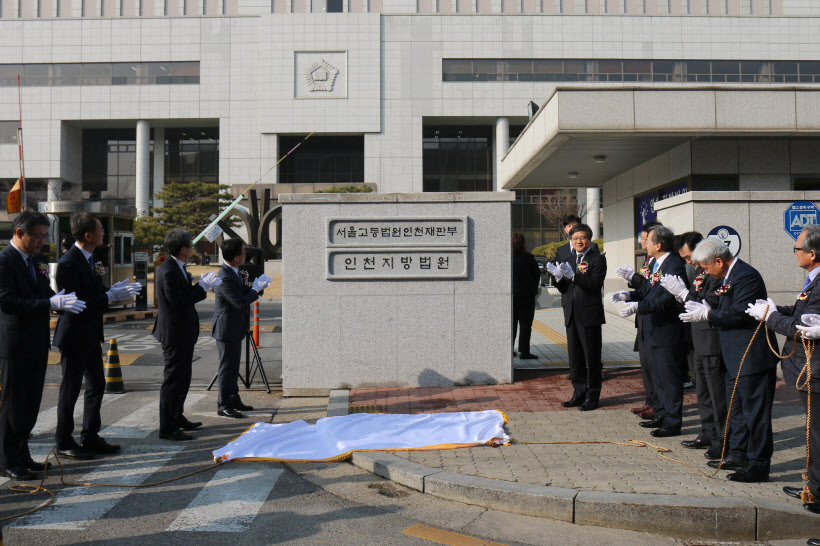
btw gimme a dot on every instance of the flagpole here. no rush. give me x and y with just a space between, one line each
20 147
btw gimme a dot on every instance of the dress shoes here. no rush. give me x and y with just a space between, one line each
230 412
812 541
185 424
176 436
814 508
654 423
665 432
729 463
527 356
793 491
75 452
100 446
749 475
18 473
648 414
713 453
575 401
33 466
640 409
242 407
697 443
589 404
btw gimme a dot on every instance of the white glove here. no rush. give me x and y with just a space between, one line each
620 295
66 302
675 286
695 312
567 270
629 309
625 272
209 280
761 309
261 282
123 290
555 271
812 328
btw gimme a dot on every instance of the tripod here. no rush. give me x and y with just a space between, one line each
254 364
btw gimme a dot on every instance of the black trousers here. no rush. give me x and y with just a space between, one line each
230 354
710 385
646 372
82 360
523 315
666 363
750 436
175 384
814 441
584 351
22 390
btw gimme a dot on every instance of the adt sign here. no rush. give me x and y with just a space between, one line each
799 215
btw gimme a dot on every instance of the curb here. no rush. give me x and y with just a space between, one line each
721 518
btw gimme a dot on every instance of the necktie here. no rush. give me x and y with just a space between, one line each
806 284
91 262
30 264
579 259
654 266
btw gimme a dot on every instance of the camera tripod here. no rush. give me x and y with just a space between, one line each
252 365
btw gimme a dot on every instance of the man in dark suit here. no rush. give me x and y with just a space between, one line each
661 336
230 324
26 300
79 337
710 370
177 329
788 320
750 439
580 283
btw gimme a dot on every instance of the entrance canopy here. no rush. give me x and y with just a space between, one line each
583 137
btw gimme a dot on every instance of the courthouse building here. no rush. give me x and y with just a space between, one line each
692 110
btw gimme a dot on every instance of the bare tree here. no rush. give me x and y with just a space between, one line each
557 205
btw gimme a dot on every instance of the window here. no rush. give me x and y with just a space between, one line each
153 73
337 159
8 132
335 6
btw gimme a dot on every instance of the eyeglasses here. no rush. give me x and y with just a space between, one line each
579 239
795 249
38 236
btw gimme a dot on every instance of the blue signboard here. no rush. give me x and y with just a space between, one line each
728 236
666 193
645 209
799 215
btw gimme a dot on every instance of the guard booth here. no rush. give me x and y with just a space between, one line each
116 254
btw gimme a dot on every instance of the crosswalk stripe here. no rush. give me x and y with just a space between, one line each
78 508
47 419
144 421
230 501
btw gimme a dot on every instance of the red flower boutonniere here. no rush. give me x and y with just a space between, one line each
99 269
583 267
656 277
803 296
723 289
245 277
645 273
699 281
42 268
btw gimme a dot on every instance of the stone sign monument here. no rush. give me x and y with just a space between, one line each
395 290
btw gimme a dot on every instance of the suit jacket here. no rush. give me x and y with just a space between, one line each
582 295
784 321
24 307
658 310
705 337
177 320
75 275
231 311
736 327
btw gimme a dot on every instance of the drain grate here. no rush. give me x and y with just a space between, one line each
373 408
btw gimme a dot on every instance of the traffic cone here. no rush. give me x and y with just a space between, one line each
113 373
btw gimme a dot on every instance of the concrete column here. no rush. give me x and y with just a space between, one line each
159 163
581 200
594 211
143 167
53 194
501 145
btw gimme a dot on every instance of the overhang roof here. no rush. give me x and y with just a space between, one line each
630 126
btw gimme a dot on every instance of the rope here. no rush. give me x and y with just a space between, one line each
25 488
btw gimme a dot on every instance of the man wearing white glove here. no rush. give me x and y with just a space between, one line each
177 329
80 337
750 438
663 342
230 324
25 306
580 285
709 368
802 318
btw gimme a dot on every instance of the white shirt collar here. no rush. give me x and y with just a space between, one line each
813 273
22 253
86 253
660 260
729 272
180 263
235 269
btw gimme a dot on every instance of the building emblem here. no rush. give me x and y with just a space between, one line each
320 76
